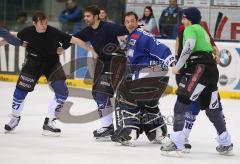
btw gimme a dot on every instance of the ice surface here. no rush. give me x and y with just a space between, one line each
77 146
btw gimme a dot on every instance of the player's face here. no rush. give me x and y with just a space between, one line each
89 18
185 21
131 23
41 25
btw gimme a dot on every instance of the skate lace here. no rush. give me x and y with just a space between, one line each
52 123
101 130
169 147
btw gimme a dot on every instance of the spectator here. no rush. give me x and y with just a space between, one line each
3 24
71 17
22 21
169 21
104 15
148 21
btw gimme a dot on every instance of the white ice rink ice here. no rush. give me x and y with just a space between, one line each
77 146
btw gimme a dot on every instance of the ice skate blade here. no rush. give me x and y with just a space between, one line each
156 142
178 154
227 153
186 151
103 139
124 143
127 143
9 131
50 134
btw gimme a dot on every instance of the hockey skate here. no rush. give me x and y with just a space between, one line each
104 133
225 145
225 150
187 148
171 150
163 140
9 127
50 129
160 137
125 140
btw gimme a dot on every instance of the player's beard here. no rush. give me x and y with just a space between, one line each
90 22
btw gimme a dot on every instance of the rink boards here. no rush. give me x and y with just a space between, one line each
75 66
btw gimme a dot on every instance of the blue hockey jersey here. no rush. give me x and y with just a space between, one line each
144 49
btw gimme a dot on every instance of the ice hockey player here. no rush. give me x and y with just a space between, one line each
42 59
200 84
99 34
194 108
144 82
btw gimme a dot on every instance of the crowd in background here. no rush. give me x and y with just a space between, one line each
71 19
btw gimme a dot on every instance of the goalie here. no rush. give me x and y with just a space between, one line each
145 79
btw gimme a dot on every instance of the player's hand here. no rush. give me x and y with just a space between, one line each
60 51
94 55
217 59
175 71
25 44
14 34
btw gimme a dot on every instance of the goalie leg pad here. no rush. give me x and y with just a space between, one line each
127 121
153 122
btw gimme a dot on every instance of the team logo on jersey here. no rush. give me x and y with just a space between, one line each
225 58
135 36
214 104
130 52
132 42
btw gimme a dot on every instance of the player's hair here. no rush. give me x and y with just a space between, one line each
39 16
130 13
93 9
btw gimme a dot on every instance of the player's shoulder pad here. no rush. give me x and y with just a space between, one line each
144 33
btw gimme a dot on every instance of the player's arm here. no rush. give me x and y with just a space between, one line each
66 40
160 51
177 46
81 43
74 40
188 47
186 52
216 54
9 38
216 51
